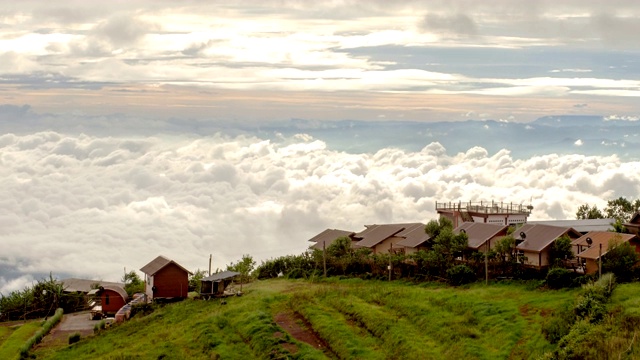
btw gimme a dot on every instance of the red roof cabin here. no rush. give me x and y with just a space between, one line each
166 280
112 298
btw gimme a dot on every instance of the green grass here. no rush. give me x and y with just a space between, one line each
13 337
356 319
5 331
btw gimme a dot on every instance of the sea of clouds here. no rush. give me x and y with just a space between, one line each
92 206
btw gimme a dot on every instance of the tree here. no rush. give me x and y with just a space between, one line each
587 212
445 246
244 266
560 250
132 283
195 283
622 209
340 248
507 258
434 227
505 248
47 295
620 259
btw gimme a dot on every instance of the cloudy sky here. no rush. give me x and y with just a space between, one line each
130 129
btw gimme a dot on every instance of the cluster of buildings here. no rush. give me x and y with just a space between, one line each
485 223
164 279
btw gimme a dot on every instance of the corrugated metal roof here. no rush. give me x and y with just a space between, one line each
581 225
480 233
597 238
118 289
84 285
375 234
538 236
224 275
414 235
327 237
158 263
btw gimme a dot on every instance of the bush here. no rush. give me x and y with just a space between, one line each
37 337
141 308
74 338
591 305
460 274
558 325
99 326
558 278
590 308
584 341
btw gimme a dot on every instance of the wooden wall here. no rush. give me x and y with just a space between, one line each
171 281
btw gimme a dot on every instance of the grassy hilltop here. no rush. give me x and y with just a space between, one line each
351 319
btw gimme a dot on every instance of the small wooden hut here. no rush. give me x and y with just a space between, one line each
215 285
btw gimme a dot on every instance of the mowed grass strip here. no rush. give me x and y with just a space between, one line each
15 337
400 339
475 321
255 324
345 340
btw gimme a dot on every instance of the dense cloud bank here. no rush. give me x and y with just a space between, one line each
89 206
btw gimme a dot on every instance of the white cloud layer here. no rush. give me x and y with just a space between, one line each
89 206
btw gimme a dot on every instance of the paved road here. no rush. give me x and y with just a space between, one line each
79 321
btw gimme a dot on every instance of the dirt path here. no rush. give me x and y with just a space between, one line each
300 330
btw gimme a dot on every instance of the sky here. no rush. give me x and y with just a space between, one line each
130 129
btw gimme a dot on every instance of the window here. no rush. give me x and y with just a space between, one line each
106 299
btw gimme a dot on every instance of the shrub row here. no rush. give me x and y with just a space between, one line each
37 337
579 333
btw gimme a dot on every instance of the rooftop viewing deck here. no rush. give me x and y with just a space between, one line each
485 207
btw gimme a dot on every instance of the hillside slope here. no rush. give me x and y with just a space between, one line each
341 319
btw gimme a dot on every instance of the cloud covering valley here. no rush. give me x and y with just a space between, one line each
90 205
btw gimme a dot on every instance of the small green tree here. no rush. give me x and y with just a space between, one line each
560 250
434 227
622 209
341 247
620 259
132 283
446 246
244 266
587 212
195 283
505 248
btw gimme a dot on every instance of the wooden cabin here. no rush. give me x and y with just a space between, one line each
165 279
535 240
215 285
112 298
591 246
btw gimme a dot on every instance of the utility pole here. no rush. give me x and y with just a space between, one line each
210 258
390 253
600 262
486 264
324 257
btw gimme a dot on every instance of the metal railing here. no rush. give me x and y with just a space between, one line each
485 207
